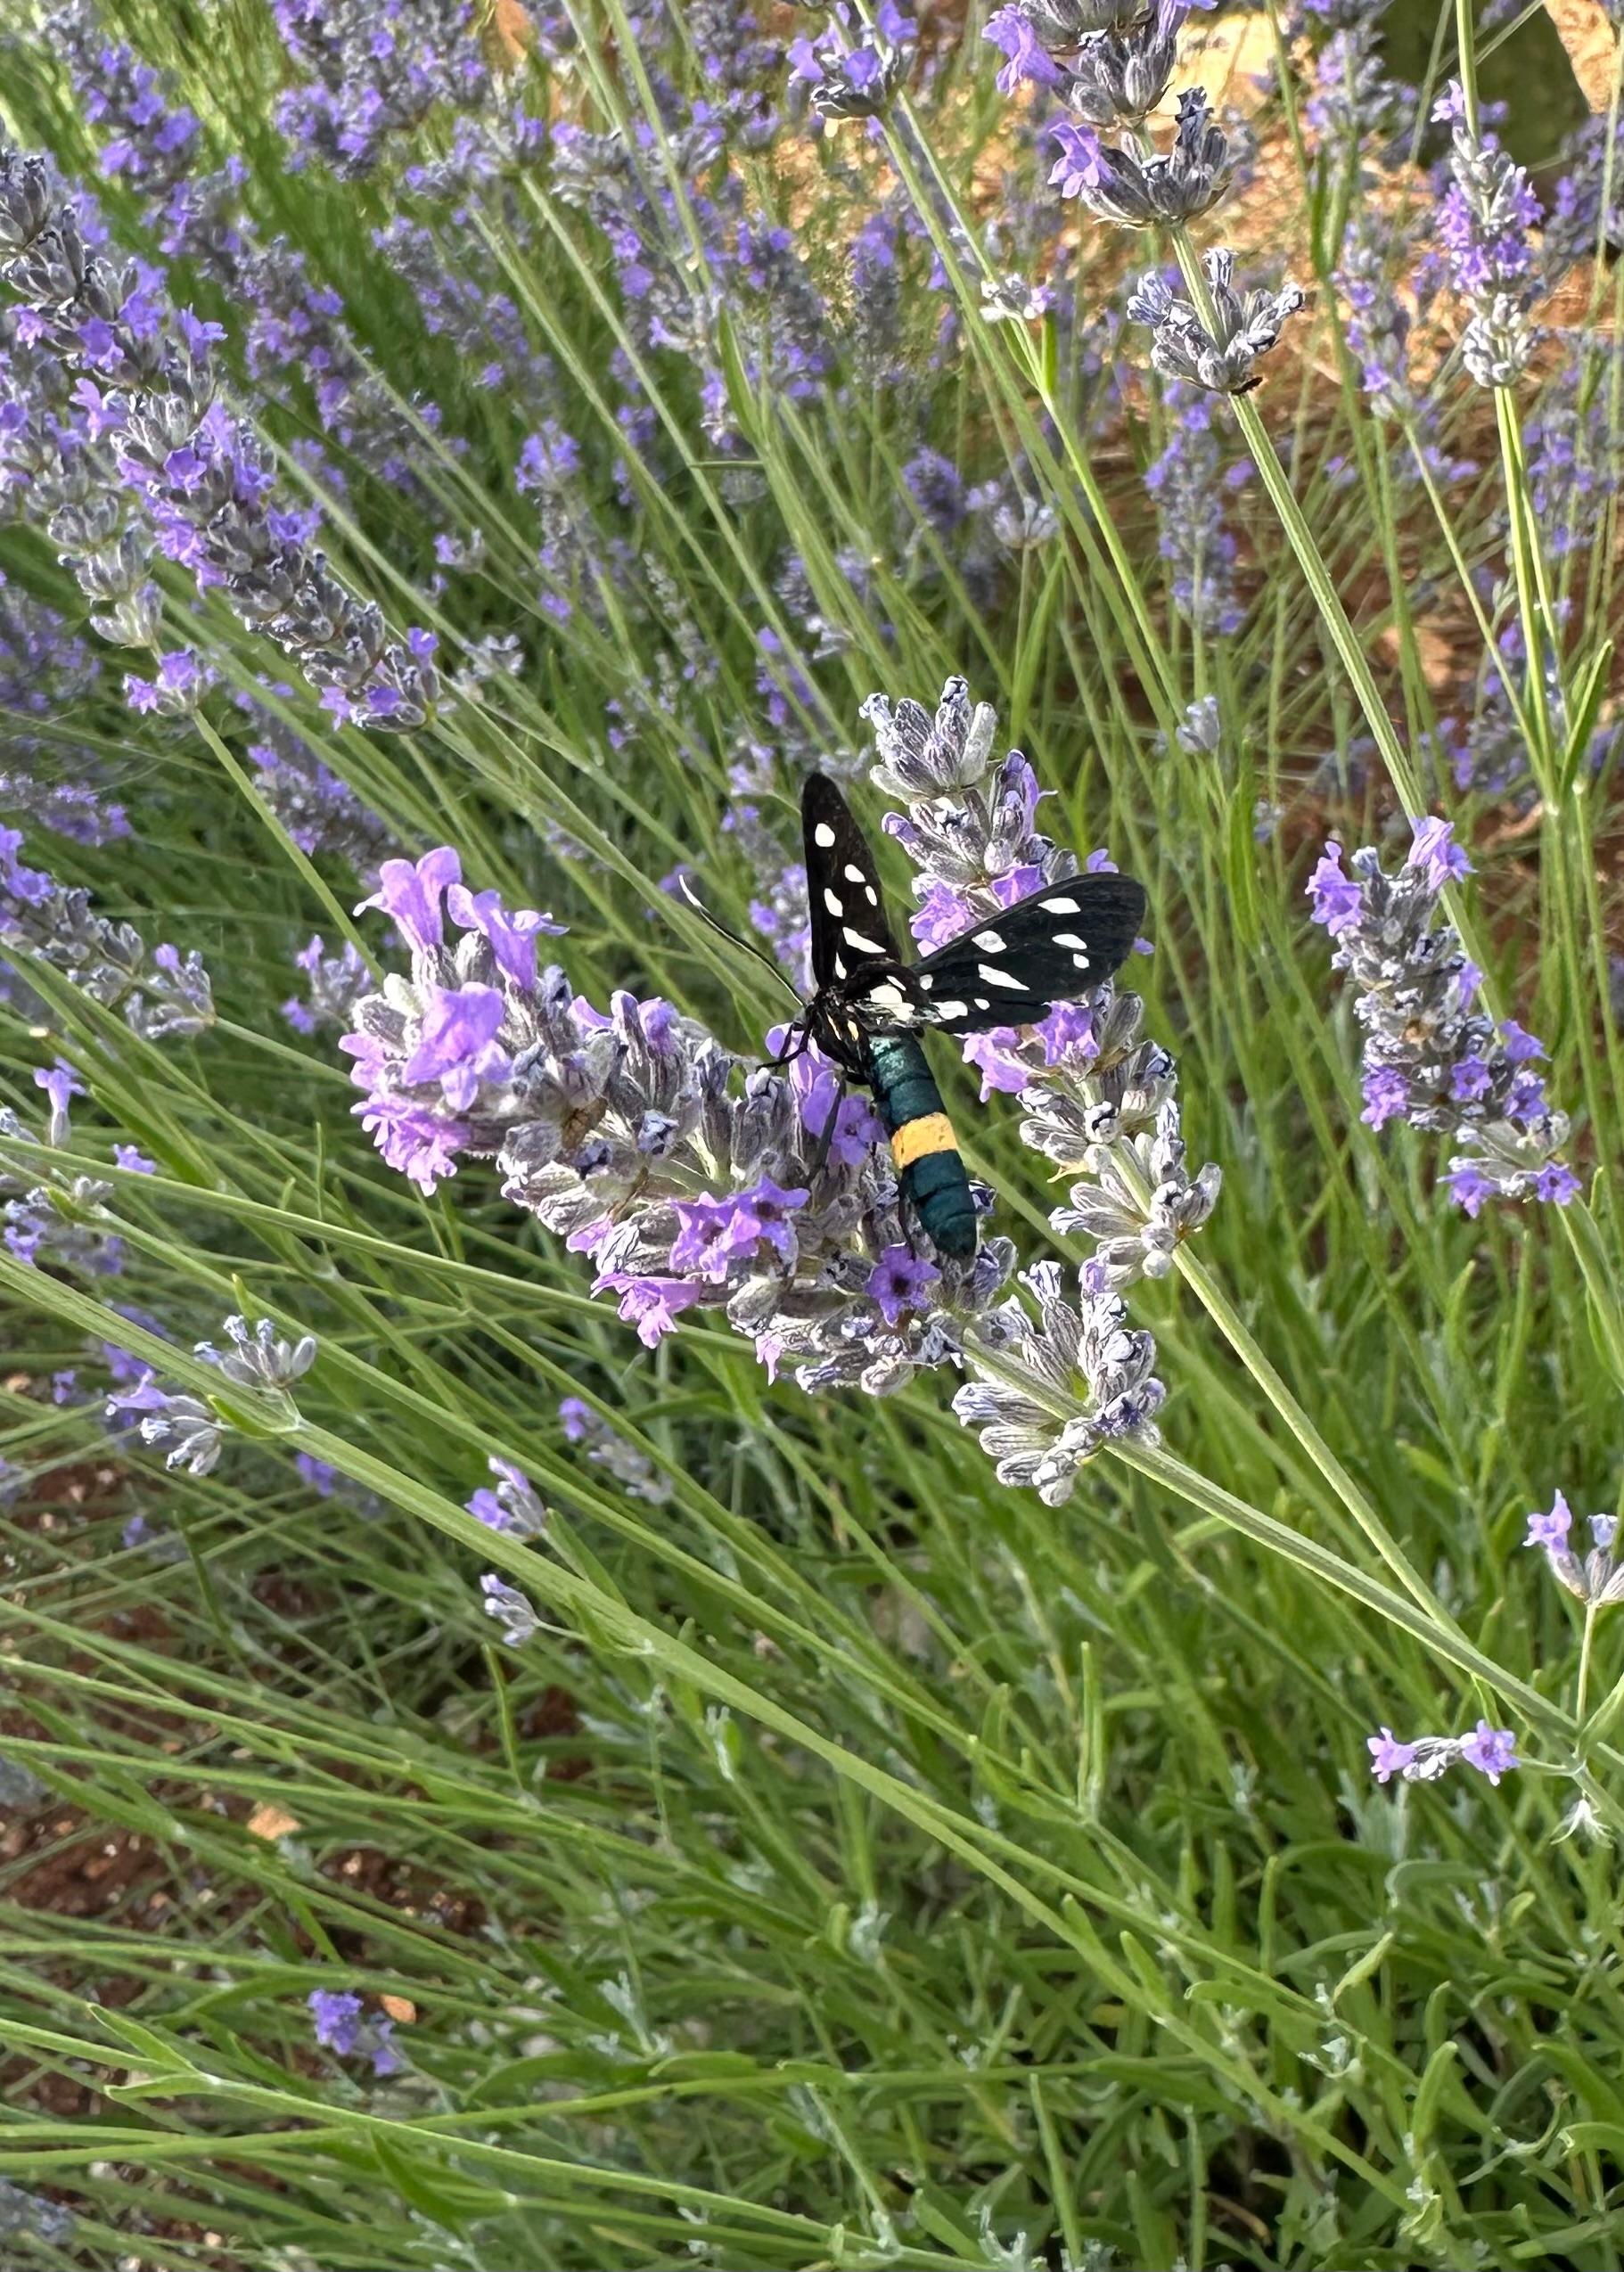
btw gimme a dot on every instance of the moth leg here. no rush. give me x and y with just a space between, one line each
820 1158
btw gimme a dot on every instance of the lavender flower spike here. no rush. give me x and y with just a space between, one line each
510 1610
1491 1751
1174 186
1598 1580
514 1505
1048 1395
260 1359
139 374
1086 1079
1221 359
691 1183
1429 1057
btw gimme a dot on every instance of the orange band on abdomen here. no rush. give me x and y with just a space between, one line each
917 1139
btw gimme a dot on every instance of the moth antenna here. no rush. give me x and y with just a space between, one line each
733 939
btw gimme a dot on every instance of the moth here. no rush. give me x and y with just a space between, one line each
868 1006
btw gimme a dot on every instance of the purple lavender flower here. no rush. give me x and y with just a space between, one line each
1492 1752
606 1447
1550 1530
320 813
157 992
60 1082
139 373
897 1280
1169 186
57 1220
183 679
1388 1756
189 1434
515 1615
336 983
1430 1058
1484 224
336 2014
1598 1580
512 1506
1012 32
625 1133
1096 1100
337 2017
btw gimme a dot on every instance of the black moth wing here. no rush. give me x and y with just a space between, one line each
1054 946
848 925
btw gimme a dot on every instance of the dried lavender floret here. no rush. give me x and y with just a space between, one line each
1222 357
1048 1394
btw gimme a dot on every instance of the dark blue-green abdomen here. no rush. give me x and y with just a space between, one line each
923 1143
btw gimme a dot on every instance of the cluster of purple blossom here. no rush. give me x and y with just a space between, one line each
1491 1751
1096 1099
853 67
295 343
46 672
49 1220
1431 1057
372 70
1485 225
190 1431
1107 65
1598 1580
113 433
319 812
342 2027
626 1135
157 992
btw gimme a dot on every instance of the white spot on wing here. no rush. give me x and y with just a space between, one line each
925 981
949 1009
839 967
861 946
871 895
854 875
1063 906
1080 962
991 975
1069 939
991 941
981 1002
823 836
835 906
892 1003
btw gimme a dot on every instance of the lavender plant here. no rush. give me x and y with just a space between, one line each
775 1747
